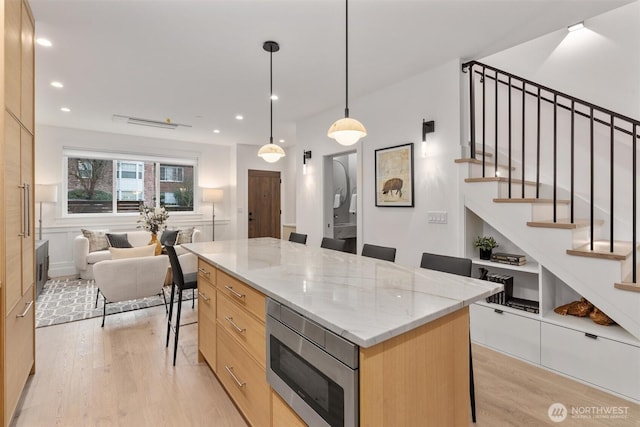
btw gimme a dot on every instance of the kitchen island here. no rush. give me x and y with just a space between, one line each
412 326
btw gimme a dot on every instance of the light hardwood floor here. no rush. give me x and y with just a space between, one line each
122 376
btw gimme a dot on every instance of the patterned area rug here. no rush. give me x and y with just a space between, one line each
68 300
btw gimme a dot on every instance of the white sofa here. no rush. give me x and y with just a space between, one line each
84 260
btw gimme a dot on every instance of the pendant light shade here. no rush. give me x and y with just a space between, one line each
271 152
347 131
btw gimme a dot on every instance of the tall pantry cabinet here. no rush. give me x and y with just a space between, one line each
17 273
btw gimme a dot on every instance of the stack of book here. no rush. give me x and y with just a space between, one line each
511 259
503 296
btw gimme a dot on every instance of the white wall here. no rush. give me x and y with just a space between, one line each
214 167
393 116
599 64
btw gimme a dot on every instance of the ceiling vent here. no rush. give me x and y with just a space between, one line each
167 124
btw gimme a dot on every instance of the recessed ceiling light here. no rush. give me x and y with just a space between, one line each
274 97
43 42
57 84
239 117
576 27
216 131
65 109
282 140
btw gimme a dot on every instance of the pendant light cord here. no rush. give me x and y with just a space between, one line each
271 96
346 59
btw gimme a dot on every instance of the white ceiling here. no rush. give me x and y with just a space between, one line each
201 62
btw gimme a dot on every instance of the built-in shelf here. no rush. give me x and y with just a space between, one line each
508 309
529 267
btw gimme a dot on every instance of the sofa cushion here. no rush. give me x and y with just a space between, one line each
138 252
96 256
118 240
185 236
97 239
169 237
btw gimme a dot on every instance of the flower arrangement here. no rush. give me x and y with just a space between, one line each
152 219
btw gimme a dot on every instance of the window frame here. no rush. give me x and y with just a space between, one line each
71 153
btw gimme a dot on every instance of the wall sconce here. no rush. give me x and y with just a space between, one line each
427 127
306 154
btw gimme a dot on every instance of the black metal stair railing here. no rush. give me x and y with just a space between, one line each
617 124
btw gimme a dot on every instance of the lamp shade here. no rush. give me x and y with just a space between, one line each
347 131
46 193
271 153
212 195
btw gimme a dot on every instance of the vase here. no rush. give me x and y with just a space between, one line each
155 241
485 253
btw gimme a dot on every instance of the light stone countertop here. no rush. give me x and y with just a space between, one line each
364 300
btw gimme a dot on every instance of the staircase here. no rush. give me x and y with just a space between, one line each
557 176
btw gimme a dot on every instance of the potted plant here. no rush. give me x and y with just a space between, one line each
485 244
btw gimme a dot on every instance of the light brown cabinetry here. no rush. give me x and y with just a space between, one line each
206 314
17 273
282 415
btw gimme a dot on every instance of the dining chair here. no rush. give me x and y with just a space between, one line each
298 238
461 267
331 243
379 252
180 283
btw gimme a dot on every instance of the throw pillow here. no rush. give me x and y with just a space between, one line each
140 251
185 236
118 240
169 237
97 240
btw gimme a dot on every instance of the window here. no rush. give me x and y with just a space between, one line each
171 173
103 185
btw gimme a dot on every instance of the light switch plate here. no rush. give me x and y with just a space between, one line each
437 217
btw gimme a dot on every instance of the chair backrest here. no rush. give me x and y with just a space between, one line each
380 252
176 268
446 264
298 237
335 244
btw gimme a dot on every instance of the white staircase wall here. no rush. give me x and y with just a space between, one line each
590 277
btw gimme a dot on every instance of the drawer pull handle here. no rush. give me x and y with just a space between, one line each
592 336
26 309
237 328
205 272
497 310
204 297
234 292
230 370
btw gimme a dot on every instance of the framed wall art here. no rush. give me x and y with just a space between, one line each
394 176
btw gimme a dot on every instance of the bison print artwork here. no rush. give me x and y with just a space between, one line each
394 176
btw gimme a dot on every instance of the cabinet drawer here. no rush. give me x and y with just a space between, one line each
206 272
245 380
282 415
241 294
207 322
19 352
243 327
506 332
606 363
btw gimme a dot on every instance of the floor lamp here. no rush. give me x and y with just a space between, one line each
45 193
213 196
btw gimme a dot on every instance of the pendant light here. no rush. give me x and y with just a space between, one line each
347 131
271 152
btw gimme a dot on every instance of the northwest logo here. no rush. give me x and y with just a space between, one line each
557 412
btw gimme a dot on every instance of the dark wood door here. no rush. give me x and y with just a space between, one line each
264 204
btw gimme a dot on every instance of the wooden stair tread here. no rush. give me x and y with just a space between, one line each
621 250
564 223
481 153
479 162
530 200
498 179
628 286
